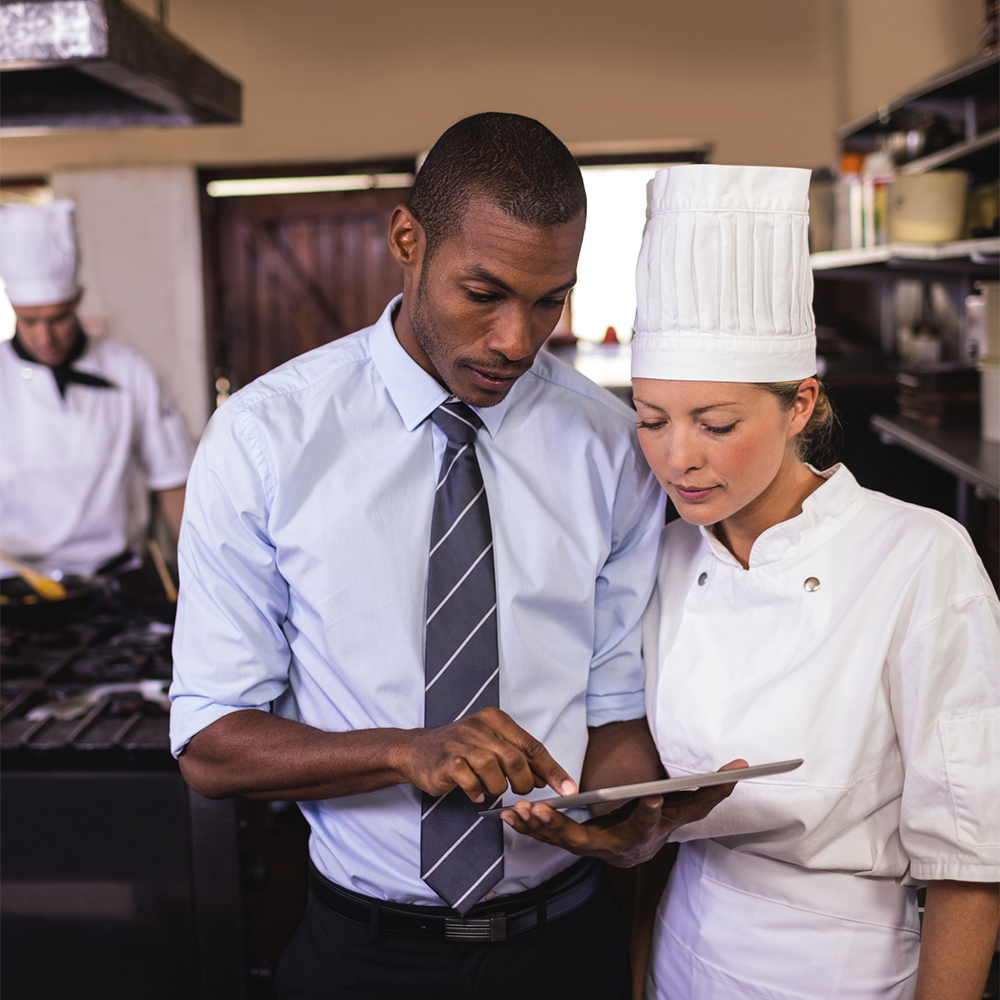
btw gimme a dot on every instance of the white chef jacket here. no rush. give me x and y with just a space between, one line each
75 472
884 679
303 561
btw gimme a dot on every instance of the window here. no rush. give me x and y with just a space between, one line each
604 296
616 211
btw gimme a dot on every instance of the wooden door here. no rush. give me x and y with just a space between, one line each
287 273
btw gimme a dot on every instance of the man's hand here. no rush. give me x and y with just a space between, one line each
255 754
629 835
480 754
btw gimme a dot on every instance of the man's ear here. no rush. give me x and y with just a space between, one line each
406 239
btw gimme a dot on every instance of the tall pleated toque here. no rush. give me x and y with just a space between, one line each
723 282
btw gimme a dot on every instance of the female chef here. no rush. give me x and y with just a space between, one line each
797 614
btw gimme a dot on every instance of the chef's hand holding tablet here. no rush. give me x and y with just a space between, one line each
627 836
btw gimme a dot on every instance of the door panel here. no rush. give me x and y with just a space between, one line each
287 273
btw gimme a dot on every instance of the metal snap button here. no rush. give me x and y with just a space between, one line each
27 373
811 584
703 579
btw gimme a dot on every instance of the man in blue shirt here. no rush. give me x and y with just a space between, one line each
413 566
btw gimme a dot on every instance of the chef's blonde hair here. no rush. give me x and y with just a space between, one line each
816 436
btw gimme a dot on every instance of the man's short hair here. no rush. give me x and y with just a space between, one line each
513 161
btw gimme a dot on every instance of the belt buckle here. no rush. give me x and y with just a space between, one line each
491 928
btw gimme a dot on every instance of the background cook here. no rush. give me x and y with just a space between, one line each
87 429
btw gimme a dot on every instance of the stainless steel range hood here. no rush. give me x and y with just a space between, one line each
99 64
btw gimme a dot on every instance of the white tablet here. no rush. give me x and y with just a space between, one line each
689 782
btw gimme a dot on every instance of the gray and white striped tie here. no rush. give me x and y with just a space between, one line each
461 854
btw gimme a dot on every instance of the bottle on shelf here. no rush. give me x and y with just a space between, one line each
876 179
848 209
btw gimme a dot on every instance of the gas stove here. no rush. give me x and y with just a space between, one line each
98 683
110 861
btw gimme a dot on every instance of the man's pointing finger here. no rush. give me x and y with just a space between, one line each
541 762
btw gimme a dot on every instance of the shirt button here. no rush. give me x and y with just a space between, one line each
811 584
27 373
489 895
703 579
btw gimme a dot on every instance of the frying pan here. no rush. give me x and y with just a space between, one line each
21 607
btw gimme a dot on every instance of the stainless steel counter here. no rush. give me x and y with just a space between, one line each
961 452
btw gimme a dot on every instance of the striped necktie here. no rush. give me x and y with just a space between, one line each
461 854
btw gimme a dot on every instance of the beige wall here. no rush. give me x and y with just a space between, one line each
768 80
340 80
893 45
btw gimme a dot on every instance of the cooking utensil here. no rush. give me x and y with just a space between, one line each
161 569
22 607
42 585
67 709
622 793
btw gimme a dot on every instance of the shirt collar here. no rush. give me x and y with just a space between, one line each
824 505
415 393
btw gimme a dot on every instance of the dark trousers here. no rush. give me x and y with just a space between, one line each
582 954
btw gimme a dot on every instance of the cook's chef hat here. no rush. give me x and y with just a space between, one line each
723 284
38 255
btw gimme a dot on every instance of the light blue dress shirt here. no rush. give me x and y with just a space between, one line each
303 561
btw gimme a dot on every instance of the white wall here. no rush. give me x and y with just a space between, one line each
141 271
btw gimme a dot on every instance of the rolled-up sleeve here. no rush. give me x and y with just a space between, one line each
615 691
230 652
946 697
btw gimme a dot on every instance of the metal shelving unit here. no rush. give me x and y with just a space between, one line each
955 265
964 154
967 254
965 95
959 110
971 460
966 100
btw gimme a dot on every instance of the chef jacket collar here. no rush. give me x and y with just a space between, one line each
824 505
64 372
415 393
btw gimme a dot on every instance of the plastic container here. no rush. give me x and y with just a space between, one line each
982 323
821 215
991 319
876 181
928 208
848 216
974 341
989 400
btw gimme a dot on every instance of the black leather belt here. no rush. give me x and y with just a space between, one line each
495 920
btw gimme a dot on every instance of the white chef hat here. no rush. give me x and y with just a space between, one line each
723 283
38 254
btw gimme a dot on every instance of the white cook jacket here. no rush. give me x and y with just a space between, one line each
74 472
884 679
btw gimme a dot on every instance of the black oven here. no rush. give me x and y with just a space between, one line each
116 880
